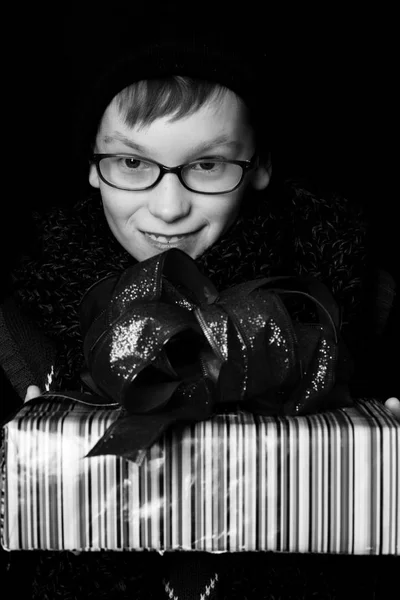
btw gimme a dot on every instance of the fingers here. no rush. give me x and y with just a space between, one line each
393 404
32 392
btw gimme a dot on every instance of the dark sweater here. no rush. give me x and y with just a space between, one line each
291 230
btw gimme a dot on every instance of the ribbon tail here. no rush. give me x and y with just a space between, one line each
130 436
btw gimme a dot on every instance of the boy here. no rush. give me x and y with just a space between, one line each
178 140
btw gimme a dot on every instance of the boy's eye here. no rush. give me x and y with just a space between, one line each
207 166
133 163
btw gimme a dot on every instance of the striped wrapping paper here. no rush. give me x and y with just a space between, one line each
327 483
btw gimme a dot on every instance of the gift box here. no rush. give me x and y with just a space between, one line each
326 483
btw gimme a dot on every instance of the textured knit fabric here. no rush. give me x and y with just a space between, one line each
26 354
194 576
289 231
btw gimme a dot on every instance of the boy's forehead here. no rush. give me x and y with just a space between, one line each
222 122
228 113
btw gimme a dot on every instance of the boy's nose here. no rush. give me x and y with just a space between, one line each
169 201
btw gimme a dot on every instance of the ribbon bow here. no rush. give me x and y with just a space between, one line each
163 343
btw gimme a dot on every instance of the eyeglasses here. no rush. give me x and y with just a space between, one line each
207 176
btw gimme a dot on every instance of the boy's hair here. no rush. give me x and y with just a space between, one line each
145 101
183 72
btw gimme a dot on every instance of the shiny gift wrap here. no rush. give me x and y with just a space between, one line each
325 483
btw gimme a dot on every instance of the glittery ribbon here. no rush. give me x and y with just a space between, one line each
164 344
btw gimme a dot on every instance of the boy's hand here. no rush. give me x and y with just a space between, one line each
393 404
32 392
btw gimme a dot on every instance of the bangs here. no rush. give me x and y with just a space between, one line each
145 101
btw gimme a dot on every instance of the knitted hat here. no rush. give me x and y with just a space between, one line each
205 55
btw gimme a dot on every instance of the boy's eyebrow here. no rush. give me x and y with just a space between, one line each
221 140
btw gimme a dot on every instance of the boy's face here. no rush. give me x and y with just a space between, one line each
146 222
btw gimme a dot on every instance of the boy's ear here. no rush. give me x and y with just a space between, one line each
93 176
262 173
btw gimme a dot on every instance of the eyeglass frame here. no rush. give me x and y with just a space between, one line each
246 166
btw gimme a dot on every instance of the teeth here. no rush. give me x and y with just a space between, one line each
165 240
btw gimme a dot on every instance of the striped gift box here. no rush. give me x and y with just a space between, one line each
327 483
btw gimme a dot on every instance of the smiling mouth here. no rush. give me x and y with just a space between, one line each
167 239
